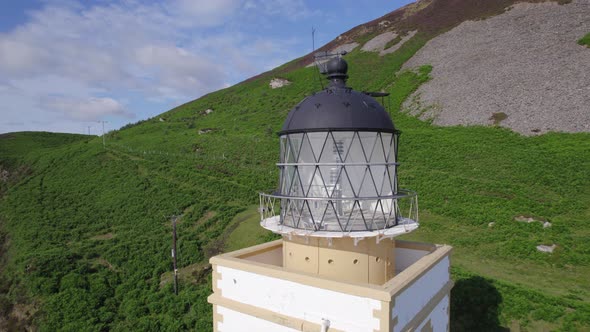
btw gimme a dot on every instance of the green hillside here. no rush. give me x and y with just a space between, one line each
86 231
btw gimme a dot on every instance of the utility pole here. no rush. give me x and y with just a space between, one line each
174 254
313 39
104 145
88 130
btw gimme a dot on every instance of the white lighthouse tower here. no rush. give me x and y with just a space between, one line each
338 208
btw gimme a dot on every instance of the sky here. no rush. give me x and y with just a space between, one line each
67 64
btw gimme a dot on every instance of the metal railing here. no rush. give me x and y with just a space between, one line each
341 214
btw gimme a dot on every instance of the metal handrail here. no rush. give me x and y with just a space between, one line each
404 194
339 164
384 217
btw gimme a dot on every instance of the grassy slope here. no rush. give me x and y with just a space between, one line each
89 229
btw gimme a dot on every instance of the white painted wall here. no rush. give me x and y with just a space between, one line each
438 317
345 312
405 257
236 321
272 257
409 303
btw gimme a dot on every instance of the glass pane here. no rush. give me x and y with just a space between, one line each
393 213
288 157
342 141
356 174
392 149
317 141
297 210
388 145
306 153
306 173
393 178
388 208
378 154
306 221
317 209
331 176
281 178
368 188
356 219
288 216
318 187
386 188
330 153
284 146
379 175
331 221
295 145
288 175
294 186
355 153
379 215
368 140
344 187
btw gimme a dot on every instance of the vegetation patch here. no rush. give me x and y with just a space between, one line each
392 42
498 118
204 219
248 231
191 274
585 40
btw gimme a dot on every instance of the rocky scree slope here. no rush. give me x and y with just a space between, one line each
523 69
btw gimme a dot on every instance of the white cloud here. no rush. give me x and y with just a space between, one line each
82 61
89 109
290 9
204 13
18 57
179 69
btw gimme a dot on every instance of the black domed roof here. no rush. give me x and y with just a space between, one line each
338 108
336 68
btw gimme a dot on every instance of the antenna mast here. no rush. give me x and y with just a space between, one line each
104 145
313 39
315 58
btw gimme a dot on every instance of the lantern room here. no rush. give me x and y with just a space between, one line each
338 167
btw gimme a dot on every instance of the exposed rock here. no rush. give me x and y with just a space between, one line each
204 131
345 48
278 83
545 248
529 220
395 47
4 175
491 224
525 63
208 111
162 120
378 43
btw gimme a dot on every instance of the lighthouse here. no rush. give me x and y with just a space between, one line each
339 209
